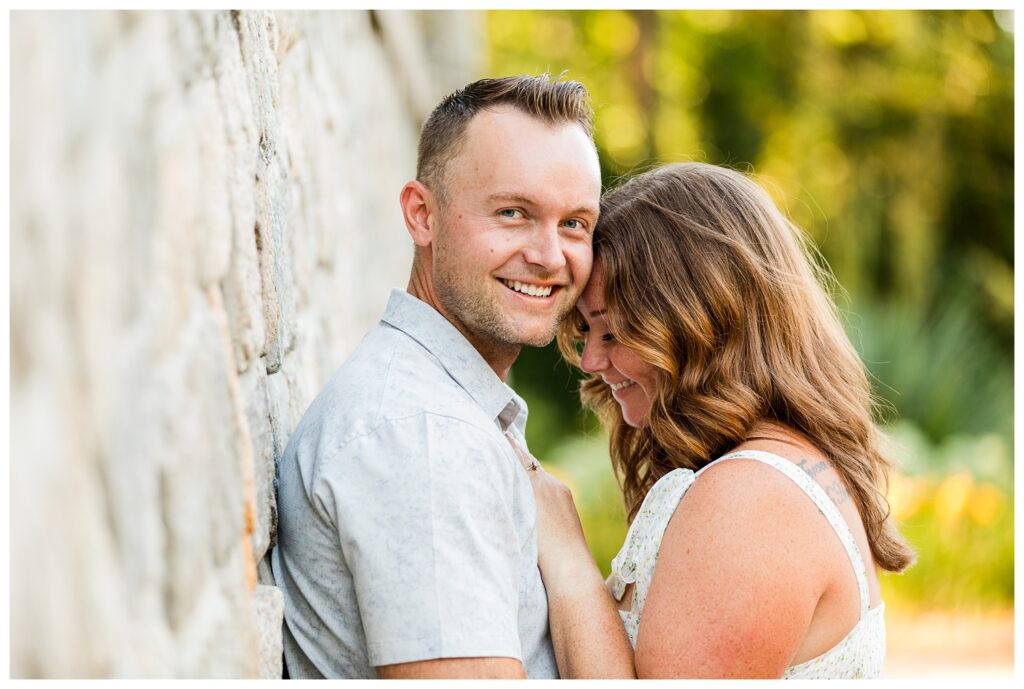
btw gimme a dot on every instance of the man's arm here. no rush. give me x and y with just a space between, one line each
435 558
455 668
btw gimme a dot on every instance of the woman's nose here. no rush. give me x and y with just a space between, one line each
594 358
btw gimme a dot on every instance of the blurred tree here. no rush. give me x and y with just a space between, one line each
886 135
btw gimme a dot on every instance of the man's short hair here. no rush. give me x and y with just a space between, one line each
547 99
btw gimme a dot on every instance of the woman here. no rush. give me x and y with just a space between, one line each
741 429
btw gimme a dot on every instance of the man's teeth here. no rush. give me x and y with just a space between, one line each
532 290
623 384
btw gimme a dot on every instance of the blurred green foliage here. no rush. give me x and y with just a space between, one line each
954 503
887 136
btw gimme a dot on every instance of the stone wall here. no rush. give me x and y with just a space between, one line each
204 221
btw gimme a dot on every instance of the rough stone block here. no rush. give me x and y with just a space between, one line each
67 619
200 485
220 638
279 398
269 606
213 220
253 385
242 287
271 202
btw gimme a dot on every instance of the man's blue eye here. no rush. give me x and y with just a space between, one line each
574 224
510 212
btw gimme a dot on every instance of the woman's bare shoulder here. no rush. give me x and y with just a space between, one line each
735 487
738 577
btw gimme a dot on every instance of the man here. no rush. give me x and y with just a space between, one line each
407 541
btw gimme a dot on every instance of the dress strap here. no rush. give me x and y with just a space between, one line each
824 504
635 562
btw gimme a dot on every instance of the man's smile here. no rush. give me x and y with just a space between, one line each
530 289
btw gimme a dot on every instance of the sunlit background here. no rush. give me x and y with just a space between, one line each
888 136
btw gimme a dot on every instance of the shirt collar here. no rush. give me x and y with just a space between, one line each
457 356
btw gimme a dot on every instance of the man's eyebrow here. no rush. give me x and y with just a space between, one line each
511 196
585 210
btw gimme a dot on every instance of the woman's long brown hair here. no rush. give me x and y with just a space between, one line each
709 282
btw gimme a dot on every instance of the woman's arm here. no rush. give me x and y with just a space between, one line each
586 631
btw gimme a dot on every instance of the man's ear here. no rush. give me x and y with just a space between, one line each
418 207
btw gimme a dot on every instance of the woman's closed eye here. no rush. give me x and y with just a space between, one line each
606 337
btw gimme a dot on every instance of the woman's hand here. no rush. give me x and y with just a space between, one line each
561 546
586 632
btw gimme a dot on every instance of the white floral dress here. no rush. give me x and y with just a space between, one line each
861 653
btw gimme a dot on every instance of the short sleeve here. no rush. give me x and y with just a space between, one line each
425 511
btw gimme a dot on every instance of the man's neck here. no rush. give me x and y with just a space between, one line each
499 355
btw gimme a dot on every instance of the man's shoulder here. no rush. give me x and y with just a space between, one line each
388 378
406 376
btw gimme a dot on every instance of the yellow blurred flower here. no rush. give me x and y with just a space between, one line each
952 497
986 503
906 495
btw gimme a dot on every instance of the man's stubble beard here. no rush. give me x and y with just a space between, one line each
481 315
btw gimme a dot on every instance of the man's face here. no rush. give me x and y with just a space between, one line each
512 251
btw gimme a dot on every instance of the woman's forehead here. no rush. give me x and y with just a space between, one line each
591 303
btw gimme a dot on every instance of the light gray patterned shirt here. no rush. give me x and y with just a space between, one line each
407 529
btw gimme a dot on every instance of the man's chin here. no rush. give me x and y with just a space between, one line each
538 341
536 337
536 333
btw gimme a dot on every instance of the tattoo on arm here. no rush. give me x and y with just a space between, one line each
836 491
813 468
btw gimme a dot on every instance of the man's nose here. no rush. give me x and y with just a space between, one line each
544 248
